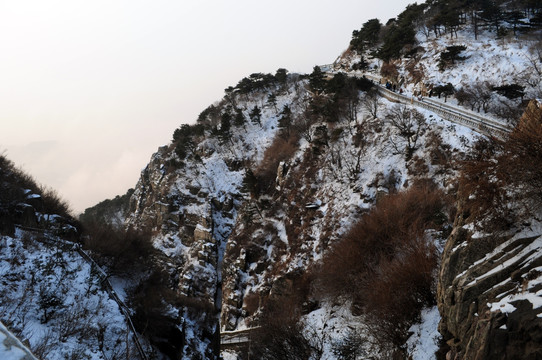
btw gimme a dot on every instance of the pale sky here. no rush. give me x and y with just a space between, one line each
90 89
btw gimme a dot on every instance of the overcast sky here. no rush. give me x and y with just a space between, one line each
90 89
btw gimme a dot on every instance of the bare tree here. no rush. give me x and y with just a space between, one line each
344 163
533 74
408 124
477 96
371 102
535 58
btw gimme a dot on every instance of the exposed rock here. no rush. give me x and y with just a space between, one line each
281 173
26 215
7 227
479 280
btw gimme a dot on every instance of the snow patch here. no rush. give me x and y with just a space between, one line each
424 342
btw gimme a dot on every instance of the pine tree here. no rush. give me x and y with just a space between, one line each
225 127
317 80
256 115
285 120
239 119
272 100
451 55
491 13
367 36
183 137
281 76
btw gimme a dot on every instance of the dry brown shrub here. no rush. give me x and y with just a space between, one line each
389 71
251 302
523 157
416 72
385 264
400 289
13 183
417 166
280 150
501 183
122 250
480 188
281 334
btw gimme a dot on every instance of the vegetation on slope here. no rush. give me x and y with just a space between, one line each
502 183
18 188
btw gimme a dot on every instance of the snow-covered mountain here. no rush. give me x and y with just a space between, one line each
316 216
53 297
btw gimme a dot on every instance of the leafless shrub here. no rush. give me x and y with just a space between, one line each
302 124
415 71
390 71
16 185
385 264
45 345
350 347
477 96
371 102
534 56
280 150
75 321
501 182
121 250
53 202
281 334
509 110
408 125
401 287
124 348
282 340
77 353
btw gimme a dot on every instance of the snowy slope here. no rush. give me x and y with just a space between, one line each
328 201
192 209
53 299
488 62
11 348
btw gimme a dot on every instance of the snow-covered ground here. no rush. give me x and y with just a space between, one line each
53 299
425 338
488 62
11 348
339 194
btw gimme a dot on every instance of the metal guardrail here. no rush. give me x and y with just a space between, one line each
236 337
477 123
11 341
233 340
461 116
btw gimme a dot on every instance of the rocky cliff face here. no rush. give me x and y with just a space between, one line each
282 167
191 210
489 294
232 248
490 282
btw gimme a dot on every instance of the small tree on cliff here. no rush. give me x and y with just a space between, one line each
408 125
451 55
285 120
317 80
256 115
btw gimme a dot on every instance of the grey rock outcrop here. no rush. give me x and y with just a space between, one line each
487 296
